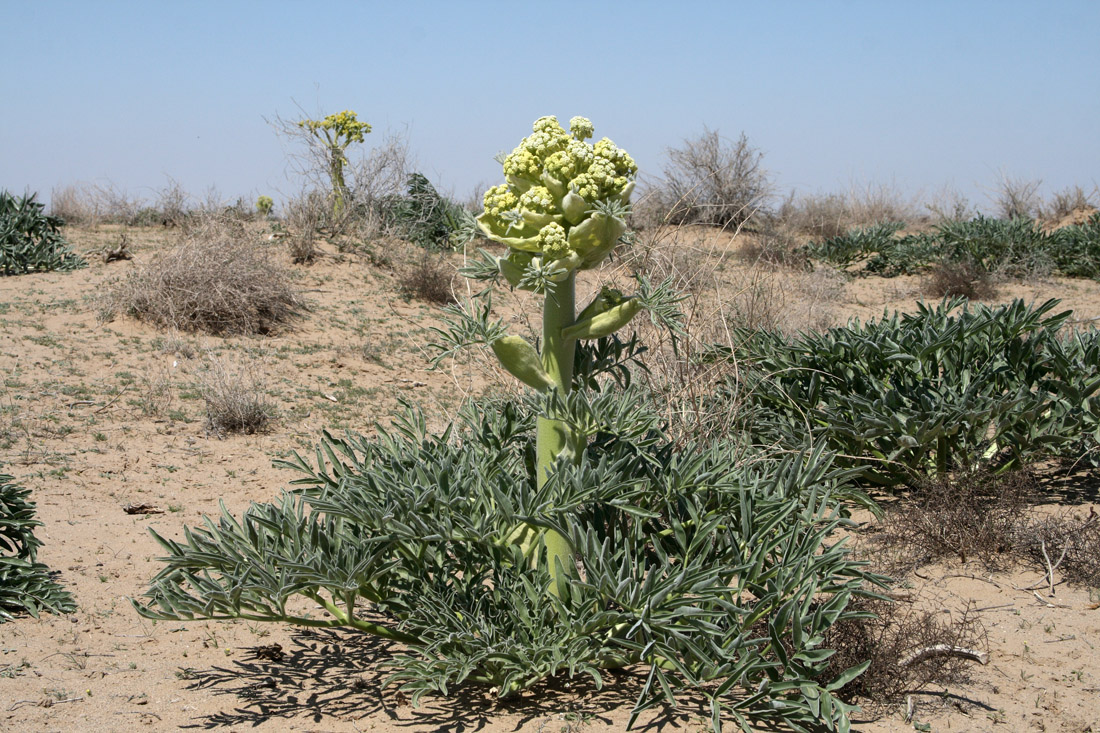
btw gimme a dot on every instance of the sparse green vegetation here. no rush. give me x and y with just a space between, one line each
1012 247
30 240
26 586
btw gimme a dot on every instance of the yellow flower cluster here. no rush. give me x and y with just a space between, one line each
344 124
621 161
536 208
522 164
553 241
581 128
499 199
537 200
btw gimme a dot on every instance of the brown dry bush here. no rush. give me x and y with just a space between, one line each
235 401
967 515
1018 198
711 180
74 204
1068 543
959 278
1069 201
428 279
890 635
774 245
214 283
823 216
303 248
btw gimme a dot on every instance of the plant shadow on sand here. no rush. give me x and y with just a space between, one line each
1072 485
337 674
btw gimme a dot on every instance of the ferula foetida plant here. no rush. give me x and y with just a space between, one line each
264 205
562 209
561 533
336 132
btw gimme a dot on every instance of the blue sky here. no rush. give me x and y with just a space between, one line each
916 95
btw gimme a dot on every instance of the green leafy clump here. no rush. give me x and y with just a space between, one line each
30 240
1077 249
854 246
26 586
917 394
1015 247
426 218
713 572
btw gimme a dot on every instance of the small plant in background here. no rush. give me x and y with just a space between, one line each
950 279
561 533
264 205
428 279
26 586
30 240
335 133
426 218
1018 198
855 246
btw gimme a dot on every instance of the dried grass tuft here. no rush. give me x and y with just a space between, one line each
428 279
891 635
959 278
235 400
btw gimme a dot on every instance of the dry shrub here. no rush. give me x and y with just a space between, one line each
156 394
215 284
722 296
681 380
711 180
1017 198
1069 201
428 279
890 635
235 401
303 248
824 216
758 301
959 278
74 204
1068 543
949 204
774 245
89 204
969 515
173 204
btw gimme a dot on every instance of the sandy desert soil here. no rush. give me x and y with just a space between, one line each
95 417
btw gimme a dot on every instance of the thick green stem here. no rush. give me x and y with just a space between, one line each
558 313
553 437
